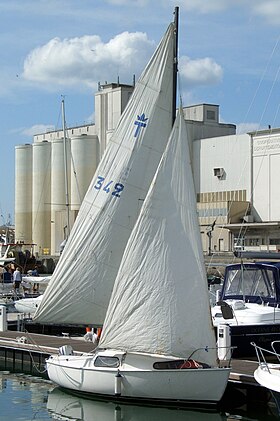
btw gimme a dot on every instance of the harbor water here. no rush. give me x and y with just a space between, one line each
26 398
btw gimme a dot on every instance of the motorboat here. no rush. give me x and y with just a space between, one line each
249 302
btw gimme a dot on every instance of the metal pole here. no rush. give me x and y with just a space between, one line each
175 64
209 234
65 170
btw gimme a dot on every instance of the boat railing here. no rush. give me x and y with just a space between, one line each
273 347
225 361
260 354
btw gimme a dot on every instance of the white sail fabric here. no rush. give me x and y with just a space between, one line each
81 285
160 301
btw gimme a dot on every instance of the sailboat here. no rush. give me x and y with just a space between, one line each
158 342
29 305
81 285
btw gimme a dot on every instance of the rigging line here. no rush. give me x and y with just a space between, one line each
250 106
270 93
44 186
2 215
76 177
213 194
267 144
179 85
59 118
31 355
262 78
266 148
73 164
242 230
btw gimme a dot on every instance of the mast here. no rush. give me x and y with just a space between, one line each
175 64
65 171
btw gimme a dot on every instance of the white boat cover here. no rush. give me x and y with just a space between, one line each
160 302
81 286
37 279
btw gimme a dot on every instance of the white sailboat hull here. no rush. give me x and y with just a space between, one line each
138 379
268 375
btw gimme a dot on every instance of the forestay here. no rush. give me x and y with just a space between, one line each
81 285
160 301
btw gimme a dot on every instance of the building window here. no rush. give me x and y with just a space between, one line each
211 115
219 172
212 212
253 242
274 241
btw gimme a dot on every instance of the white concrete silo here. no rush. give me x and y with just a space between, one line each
23 193
59 174
41 197
84 161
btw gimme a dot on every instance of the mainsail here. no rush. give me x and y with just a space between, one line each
160 301
81 285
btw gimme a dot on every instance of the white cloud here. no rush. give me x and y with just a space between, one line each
37 129
269 9
91 118
204 71
86 60
128 2
247 127
202 6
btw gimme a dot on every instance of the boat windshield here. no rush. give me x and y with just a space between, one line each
248 281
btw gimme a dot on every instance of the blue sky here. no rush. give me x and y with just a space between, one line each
228 55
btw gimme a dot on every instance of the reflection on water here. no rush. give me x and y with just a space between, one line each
69 407
25 398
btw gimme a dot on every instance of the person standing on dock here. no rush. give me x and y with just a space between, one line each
36 285
17 279
2 269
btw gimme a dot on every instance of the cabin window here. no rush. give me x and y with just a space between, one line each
111 362
179 365
168 365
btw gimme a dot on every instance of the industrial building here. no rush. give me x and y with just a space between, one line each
236 178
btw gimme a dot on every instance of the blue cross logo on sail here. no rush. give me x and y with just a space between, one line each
140 122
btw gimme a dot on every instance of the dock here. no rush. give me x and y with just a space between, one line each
19 347
24 352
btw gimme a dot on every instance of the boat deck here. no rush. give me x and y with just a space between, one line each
42 343
242 370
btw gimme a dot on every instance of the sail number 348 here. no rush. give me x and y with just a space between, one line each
110 187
